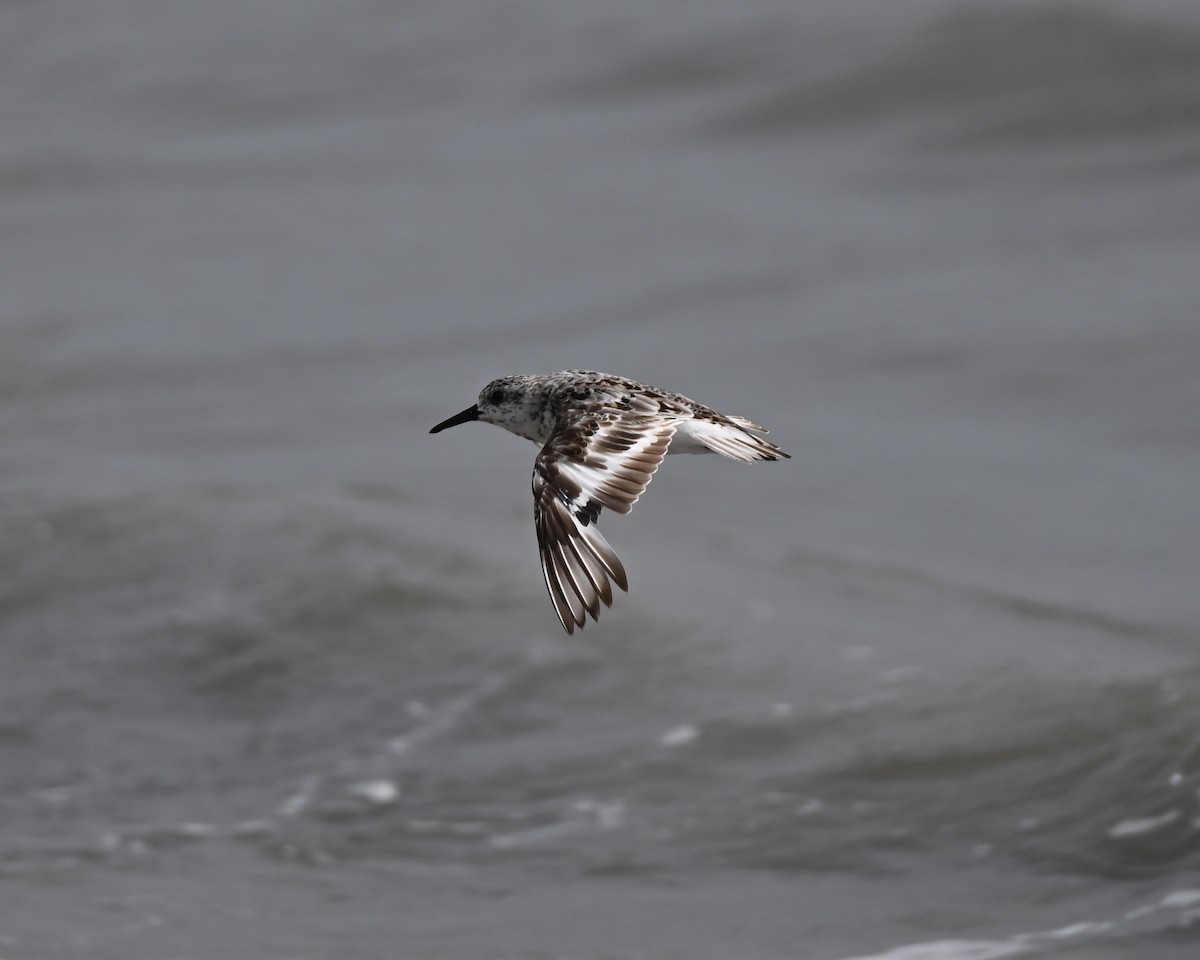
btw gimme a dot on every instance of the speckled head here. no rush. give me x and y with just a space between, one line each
515 403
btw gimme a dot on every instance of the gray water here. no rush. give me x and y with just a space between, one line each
278 675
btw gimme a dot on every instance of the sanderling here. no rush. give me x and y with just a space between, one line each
602 438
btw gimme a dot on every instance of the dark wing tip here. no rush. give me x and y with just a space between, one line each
578 565
602 462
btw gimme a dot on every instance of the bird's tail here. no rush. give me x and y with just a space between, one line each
734 439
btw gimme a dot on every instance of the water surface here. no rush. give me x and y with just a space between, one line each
278 677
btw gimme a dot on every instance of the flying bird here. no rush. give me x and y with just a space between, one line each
602 438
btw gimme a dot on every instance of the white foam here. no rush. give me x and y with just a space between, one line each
1181 898
679 736
378 792
1087 928
1135 828
1026 943
300 800
953 950
607 816
585 816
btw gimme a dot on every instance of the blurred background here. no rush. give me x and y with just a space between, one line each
278 674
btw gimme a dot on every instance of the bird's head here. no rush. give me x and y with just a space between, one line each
508 403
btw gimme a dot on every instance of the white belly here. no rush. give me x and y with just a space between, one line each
686 437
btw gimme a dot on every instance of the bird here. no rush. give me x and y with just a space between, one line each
602 438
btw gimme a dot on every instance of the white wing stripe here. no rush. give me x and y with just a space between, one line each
619 479
605 462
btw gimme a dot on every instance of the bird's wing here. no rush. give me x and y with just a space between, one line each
590 462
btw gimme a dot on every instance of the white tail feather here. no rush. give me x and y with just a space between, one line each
729 440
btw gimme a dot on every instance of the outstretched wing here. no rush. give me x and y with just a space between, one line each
590 462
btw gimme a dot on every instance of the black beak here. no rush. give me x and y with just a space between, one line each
471 413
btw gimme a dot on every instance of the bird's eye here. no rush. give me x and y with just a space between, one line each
496 396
